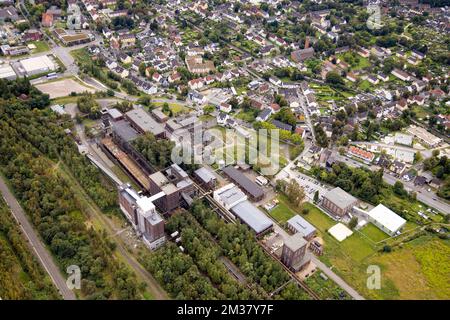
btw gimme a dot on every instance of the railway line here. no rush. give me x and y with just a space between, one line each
228 217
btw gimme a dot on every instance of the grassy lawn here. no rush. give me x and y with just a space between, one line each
41 46
373 233
174 107
282 212
418 270
364 85
80 54
248 116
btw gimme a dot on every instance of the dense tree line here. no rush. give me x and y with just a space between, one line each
206 254
16 260
156 151
240 246
32 145
440 167
179 274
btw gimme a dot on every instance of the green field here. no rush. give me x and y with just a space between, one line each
176 108
41 46
373 233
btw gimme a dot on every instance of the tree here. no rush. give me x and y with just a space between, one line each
316 196
399 189
353 223
295 193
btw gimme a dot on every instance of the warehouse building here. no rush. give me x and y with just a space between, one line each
250 188
233 199
339 202
143 122
37 65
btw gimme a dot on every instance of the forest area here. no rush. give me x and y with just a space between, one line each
198 273
21 276
33 150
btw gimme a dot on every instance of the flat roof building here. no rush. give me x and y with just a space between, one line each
173 182
143 122
385 219
339 202
250 188
297 224
37 65
7 72
424 136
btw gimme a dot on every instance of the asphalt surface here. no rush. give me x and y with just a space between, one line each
35 243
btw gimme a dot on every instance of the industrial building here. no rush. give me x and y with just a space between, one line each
339 202
143 122
37 65
297 224
142 214
233 199
294 255
176 185
250 188
205 178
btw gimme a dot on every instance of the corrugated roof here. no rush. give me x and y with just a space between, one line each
252 216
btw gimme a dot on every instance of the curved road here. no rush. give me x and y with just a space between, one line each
35 243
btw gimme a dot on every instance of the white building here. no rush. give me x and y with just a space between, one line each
385 219
404 139
37 65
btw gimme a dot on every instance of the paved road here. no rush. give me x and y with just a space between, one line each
36 244
427 197
352 292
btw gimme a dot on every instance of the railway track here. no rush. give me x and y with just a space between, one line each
228 217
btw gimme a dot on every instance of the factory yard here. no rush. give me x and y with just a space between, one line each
62 88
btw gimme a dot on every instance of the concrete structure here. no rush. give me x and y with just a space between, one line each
37 65
338 202
385 219
403 139
142 214
293 254
297 224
